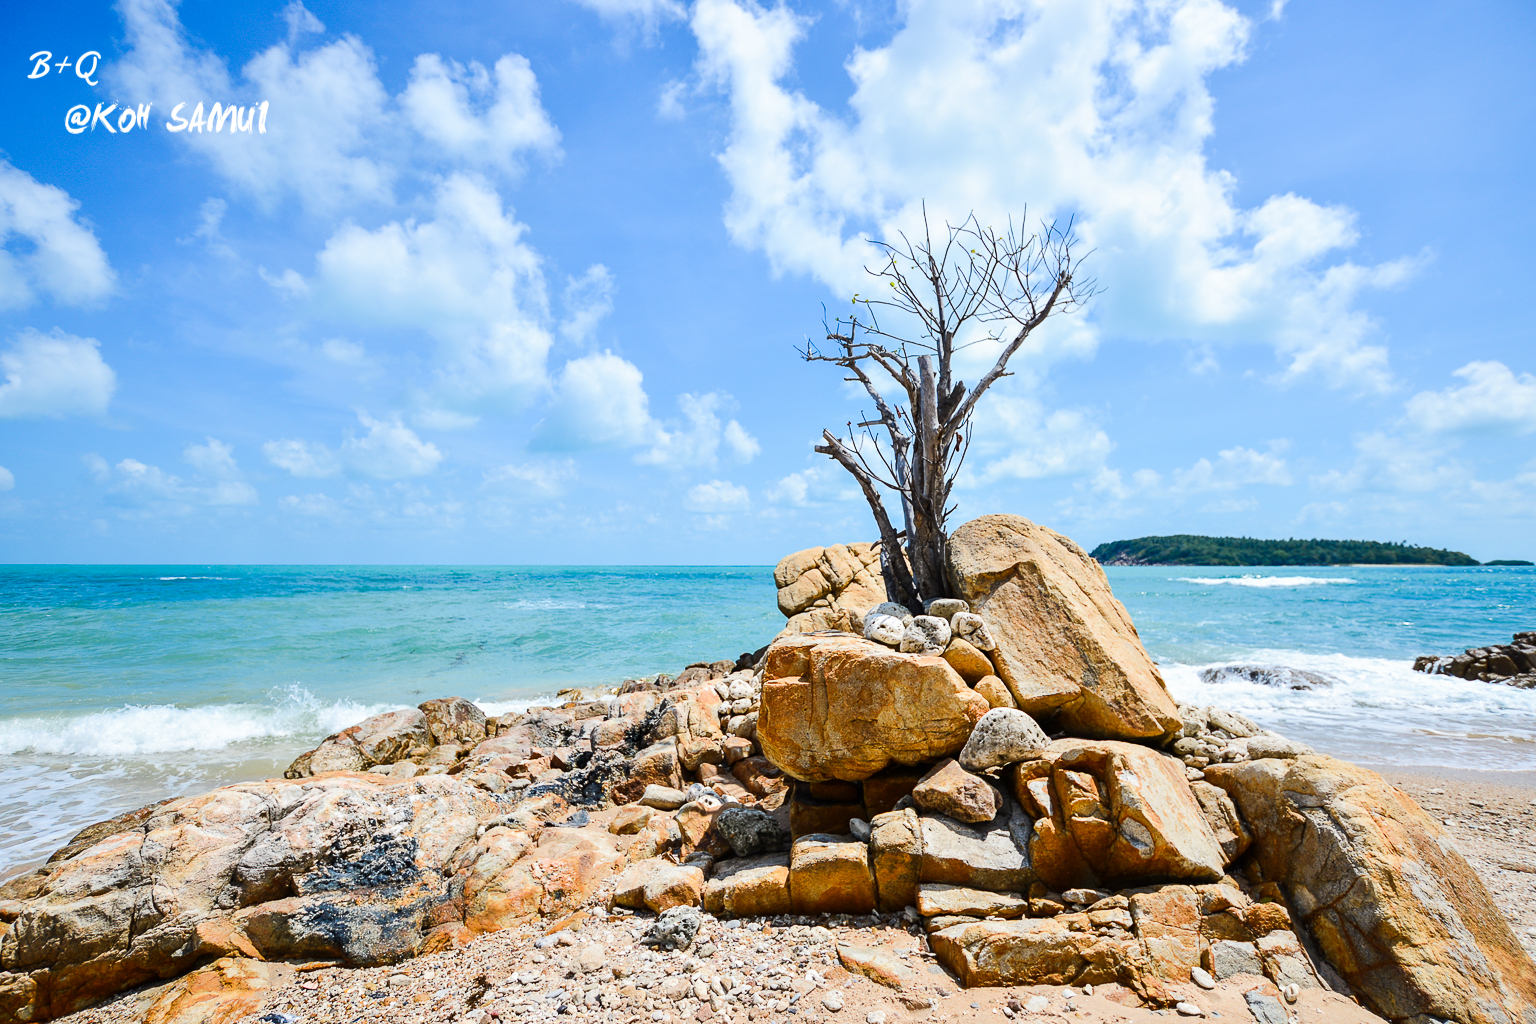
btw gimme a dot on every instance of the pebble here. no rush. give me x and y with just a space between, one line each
1188 1010
832 1001
1037 1004
1202 977
875 1017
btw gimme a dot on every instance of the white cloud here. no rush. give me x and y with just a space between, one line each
388 451
210 218
697 441
588 299
215 459
441 100
1019 438
1392 463
1098 109
59 256
533 479
717 497
320 505
1493 399
646 14
818 485
145 491
7 479
54 375
301 458
599 400
334 135
1235 467
466 278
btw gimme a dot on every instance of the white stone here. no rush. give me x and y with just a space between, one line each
1037 1004
926 634
1003 736
885 623
1202 977
1188 1010
875 1017
832 1001
969 627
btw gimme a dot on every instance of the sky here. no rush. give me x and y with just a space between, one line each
524 282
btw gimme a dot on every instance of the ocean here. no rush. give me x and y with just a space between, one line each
121 685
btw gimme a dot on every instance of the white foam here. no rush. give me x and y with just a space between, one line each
1264 581
549 604
136 730
1381 711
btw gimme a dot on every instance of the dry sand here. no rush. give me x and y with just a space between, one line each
593 969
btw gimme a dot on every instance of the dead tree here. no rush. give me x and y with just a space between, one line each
976 285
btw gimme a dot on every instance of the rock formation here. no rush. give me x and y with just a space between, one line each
1005 772
1513 664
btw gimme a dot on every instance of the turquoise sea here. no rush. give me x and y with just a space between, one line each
125 684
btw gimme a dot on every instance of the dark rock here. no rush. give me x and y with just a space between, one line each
1269 675
750 830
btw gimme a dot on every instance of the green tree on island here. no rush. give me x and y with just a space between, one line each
975 285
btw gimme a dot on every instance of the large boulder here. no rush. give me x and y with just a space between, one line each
1065 645
349 867
382 739
454 720
1122 811
841 707
829 588
1381 889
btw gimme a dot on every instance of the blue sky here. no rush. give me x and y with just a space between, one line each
522 282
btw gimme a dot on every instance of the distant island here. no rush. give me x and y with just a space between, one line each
1188 549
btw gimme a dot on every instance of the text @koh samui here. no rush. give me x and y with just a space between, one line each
82 117
250 119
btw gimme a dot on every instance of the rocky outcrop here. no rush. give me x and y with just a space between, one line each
1115 811
354 867
1277 676
840 707
1065 645
829 588
1513 664
1380 888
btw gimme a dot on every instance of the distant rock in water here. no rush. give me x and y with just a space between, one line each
1269 675
1513 664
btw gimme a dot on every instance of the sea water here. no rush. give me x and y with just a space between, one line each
120 685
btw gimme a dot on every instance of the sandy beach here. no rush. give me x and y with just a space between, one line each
590 965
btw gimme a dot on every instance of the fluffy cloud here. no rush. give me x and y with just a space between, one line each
647 14
697 441
7 479
54 375
440 103
1493 399
466 278
334 137
1095 109
1022 440
58 255
533 479
1234 468
388 451
143 490
600 400
718 497
816 486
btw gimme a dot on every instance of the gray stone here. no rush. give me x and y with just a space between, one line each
886 622
926 634
1231 722
1276 746
1003 736
1229 958
674 929
989 856
969 627
663 798
945 607
859 829
750 830
1265 1009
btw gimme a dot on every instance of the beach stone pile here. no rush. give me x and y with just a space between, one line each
1005 775
1513 664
